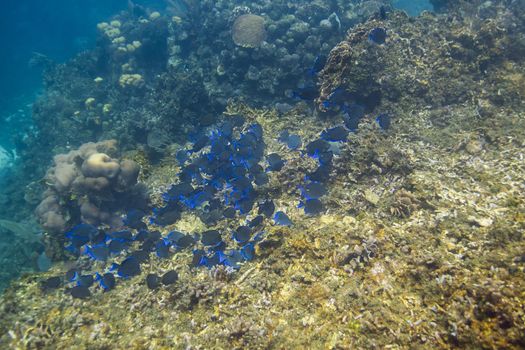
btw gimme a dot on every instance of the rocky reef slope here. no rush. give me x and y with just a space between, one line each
422 241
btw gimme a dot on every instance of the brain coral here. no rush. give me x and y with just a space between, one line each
248 30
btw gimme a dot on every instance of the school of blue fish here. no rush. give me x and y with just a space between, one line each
222 177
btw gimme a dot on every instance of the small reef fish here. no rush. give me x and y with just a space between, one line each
383 120
266 208
281 219
211 238
313 190
169 277
321 174
318 65
335 134
307 93
152 281
51 283
377 35
98 252
85 280
80 292
106 281
256 221
129 267
312 206
275 162
242 234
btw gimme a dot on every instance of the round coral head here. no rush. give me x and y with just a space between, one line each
249 31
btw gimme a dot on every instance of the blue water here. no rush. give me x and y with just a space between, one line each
51 29
413 8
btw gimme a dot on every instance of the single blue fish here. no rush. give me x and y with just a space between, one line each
162 249
321 174
106 281
248 252
294 142
129 267
325 158
353 110
351 122
51 283
80 292
384 121
200 143
182 156
141 236
81 234
116 246
211 238
198 257
257 130
152 281
261 179
377 35
232 259
313 206
281 219
283 136
123 236
141 255
211 261
314 148
307 93
85 280
98 252
166 215
133 219
266 208
242 234
319 63
72 275
178 191
275 162
256 221
229 213
313 190
335 134
169 277
183 242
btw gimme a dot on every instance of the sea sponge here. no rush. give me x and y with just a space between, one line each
249 31
100 164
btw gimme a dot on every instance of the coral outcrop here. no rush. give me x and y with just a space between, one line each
90 186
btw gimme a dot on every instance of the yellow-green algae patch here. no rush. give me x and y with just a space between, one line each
421 247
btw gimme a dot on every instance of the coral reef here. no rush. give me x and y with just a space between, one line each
88 185
421 243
